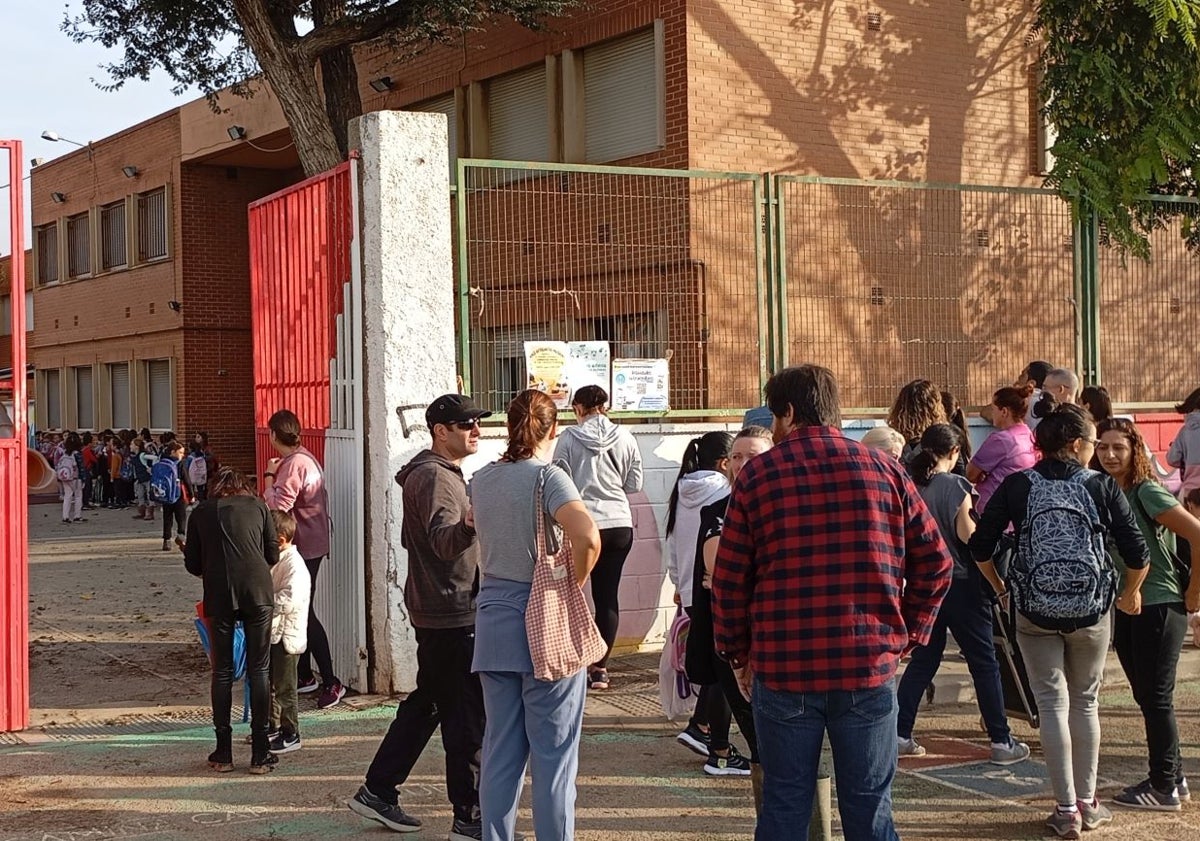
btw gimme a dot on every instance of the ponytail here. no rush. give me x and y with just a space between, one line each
1061 424
937 442
703 453
531 416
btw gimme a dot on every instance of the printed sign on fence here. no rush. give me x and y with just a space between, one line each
640 385
588 364
546 363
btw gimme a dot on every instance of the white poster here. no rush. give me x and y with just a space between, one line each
546 363
639 385
588 364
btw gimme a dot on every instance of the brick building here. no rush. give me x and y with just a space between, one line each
140 255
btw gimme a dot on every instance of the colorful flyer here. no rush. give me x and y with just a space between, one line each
588 364
546 363
640 385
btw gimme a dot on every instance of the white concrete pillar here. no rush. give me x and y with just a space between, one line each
408 358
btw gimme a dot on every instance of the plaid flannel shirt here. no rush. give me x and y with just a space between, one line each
830 566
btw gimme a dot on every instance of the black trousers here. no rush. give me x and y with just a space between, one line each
606 584
1148 647
318 640
447 694
257 624
179 510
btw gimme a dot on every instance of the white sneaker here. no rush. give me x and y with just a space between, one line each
909 747
1009 754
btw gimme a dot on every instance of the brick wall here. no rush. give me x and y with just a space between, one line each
216 387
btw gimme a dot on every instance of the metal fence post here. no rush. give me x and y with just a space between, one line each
1087 288
776 268
461 196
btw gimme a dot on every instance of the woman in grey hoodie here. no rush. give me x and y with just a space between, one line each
1185 449
607 467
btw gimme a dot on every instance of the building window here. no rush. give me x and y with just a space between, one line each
85 415
445 105
112 236
47 253
120 395
622 98
53 399
5 315
152 225
158 375
79 246
518 120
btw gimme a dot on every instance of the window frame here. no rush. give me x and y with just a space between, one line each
54 252
141 254
84 222
104 211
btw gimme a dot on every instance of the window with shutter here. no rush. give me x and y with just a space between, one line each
158 374
112 236
84 403
5 315
79 246
53 400
621 98
118 379
517 116
444 105
47 253
28 312
152 225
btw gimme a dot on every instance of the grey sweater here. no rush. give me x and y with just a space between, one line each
606 466
443 555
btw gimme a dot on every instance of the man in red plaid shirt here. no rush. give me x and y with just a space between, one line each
830 568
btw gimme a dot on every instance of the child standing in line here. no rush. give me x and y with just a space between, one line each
1184 452
289 634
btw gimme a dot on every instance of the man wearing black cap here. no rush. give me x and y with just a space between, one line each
443 563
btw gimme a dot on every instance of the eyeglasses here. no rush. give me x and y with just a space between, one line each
1092 441
466 425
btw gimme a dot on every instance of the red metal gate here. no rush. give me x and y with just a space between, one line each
299 262
14 500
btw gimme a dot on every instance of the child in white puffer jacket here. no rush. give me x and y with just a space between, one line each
289 634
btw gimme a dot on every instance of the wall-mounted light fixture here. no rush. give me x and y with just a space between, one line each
382 84
36 162
175 306
236 133
130 171
58 198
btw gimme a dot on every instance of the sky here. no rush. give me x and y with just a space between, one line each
46 84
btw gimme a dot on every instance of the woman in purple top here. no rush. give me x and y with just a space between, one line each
1009 448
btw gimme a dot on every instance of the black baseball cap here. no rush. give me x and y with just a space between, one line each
450 408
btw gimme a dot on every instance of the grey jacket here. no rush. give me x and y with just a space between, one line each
606 465
1185 452
443 554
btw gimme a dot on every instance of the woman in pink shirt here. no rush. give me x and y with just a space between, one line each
294 482
1009 448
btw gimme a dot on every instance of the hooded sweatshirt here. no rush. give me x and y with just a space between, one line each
606 466
443 555
1185 452
696 490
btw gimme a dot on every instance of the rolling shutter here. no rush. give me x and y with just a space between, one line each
53 400
517 116
621 98
85 417
118 377
159 375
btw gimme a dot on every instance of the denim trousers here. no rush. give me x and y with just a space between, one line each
1148 647
791 727
968 615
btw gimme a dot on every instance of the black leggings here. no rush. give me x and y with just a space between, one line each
256 622
318 641
606 583
179 511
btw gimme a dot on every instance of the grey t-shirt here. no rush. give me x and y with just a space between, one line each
502 497
943 496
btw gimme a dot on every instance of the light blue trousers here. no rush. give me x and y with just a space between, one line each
538 722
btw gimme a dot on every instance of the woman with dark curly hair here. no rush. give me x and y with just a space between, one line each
917 407
1148 644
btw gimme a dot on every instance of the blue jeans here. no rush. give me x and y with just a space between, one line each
862 737
967 615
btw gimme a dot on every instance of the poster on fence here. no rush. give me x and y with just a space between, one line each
588 364
639 385
546 364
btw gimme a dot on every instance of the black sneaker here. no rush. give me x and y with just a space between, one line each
694 739
1145 796
271 736
284 743
264 764
466 830
734 765
365 803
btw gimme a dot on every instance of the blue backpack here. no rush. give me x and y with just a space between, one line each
1062 577
164 481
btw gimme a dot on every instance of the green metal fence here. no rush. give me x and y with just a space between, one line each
733 275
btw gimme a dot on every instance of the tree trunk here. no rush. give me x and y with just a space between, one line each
339 76
295 84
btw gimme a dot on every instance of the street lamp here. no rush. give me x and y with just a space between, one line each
54 137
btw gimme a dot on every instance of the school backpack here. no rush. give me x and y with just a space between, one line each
1061 576
164 481
66 470
197 470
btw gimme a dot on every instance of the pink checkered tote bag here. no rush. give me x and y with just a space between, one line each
563 637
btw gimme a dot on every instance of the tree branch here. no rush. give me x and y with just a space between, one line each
355 29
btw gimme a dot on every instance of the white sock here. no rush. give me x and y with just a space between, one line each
1067 810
